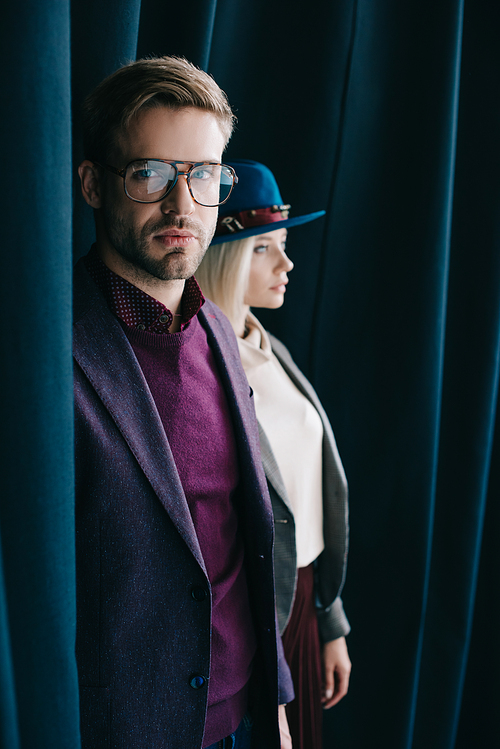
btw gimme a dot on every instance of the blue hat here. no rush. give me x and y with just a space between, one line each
255 205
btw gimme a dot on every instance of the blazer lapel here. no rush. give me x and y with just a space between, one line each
225 349
271 469
103 352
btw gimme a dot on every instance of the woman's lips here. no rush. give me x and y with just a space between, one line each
281 287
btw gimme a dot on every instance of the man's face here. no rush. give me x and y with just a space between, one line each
165 240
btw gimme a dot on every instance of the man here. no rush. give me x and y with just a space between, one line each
176 642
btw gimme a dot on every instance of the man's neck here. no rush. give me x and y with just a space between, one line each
168 293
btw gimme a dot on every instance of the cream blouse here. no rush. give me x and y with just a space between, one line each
295 433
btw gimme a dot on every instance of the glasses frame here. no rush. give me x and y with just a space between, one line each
187 174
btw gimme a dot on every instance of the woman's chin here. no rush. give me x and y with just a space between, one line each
276 301
271 300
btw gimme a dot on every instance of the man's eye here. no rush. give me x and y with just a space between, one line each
143 174
202 174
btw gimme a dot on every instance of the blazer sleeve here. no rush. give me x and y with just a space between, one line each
332 622
285 684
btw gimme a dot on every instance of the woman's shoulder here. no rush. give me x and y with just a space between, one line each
280 350
292 369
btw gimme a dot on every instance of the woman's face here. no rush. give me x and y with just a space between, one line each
268 270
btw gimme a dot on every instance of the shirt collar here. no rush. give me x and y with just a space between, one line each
134 307
255 348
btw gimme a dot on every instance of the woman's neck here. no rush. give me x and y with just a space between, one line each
241 329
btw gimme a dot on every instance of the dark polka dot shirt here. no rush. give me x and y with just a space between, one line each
133 306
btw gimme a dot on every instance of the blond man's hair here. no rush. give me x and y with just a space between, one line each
223 276
170 82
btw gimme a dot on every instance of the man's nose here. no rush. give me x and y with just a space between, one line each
179 200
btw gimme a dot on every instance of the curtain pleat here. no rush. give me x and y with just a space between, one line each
37 622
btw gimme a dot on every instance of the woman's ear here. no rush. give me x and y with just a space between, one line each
91 185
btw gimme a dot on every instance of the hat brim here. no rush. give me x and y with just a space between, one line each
254 231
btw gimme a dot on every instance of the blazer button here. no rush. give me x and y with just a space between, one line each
198 593
197 681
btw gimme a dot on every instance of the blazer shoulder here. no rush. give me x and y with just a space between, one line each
287 361
85 292
279 348
221 332
215 318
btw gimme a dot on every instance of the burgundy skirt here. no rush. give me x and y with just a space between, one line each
303 655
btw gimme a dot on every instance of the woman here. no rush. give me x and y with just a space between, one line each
247 266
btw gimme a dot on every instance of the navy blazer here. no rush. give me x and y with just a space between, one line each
144 598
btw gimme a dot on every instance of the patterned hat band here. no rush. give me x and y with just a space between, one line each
249 219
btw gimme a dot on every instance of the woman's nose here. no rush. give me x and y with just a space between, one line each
284 262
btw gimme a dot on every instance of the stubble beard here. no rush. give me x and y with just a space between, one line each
134 246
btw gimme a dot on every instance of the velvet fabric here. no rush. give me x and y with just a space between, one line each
392 312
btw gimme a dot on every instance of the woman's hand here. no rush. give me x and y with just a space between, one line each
336 671
286 739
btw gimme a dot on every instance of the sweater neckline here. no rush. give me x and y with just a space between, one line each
158 341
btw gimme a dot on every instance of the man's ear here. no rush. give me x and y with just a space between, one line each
91 184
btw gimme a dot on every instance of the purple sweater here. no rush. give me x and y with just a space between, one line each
182 376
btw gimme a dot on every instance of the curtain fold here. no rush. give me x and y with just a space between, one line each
386 115
37 623
478 719
184 29
383 313
470 394
103 38
9 734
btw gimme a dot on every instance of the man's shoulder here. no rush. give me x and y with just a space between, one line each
211 310
222 340
95 329
85 292
212 317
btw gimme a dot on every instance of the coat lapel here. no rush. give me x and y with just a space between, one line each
271 469
292 370
225 349
103 352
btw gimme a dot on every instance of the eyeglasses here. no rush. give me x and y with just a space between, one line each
150 180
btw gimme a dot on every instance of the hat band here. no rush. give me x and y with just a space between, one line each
248 219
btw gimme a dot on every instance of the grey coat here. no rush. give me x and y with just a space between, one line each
330 567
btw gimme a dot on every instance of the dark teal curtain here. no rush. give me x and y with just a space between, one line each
38 692
387 115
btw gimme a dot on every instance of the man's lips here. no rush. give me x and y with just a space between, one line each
175 237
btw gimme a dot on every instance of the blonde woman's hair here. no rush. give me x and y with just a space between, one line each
223 277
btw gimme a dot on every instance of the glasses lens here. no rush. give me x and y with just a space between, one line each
150 180
211 183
